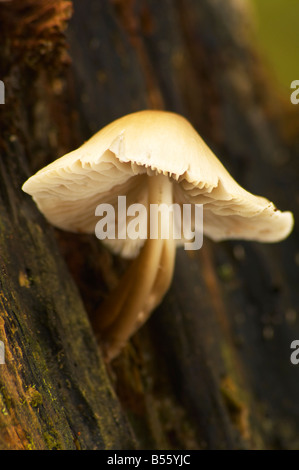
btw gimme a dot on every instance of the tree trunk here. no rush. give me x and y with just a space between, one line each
211 368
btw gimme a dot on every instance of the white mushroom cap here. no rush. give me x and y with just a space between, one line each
116 160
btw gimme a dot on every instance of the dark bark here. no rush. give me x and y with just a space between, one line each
211 368
54 390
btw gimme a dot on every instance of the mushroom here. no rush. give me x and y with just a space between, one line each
151 157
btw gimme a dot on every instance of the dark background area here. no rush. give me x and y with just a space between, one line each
211 368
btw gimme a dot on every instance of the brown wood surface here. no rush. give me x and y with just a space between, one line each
211 368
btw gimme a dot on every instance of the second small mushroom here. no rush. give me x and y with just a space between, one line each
151 157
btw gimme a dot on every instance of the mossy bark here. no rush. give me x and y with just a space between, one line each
54 389
211 368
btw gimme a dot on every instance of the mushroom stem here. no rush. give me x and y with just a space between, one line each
147 279
163 279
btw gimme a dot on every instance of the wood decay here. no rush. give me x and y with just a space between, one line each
211 368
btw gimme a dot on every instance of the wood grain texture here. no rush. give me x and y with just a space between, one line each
54 390
211 368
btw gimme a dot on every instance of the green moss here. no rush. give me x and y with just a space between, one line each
5 399
36 399
51 441
30 445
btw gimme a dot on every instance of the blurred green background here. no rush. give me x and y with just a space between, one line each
277 28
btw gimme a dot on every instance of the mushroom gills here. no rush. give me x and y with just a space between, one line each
145 282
